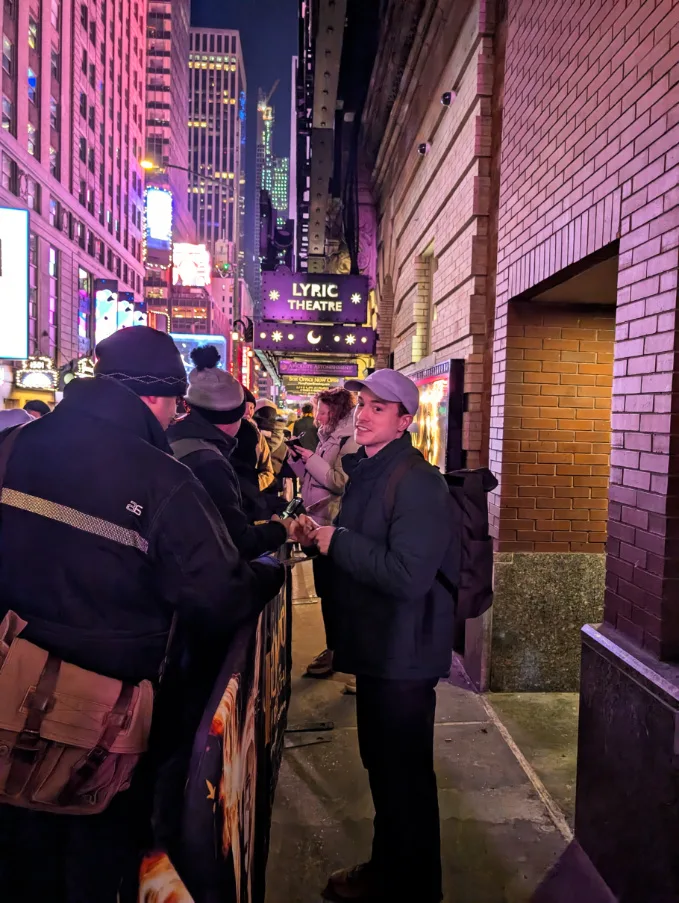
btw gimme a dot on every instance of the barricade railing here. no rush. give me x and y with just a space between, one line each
228 802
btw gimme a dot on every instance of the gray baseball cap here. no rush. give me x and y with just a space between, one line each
389 385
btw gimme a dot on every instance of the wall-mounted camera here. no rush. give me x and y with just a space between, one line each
448 97
424 148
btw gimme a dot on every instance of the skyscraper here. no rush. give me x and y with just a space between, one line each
217 102
72 132
280 188
167 103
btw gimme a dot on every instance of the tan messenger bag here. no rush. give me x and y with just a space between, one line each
70 739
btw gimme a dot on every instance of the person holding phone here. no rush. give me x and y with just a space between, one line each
323 481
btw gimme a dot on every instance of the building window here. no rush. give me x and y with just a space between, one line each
90 200
56 14
93 32
54 162
32 140
83 105
7 55
84 311
55 65
54 114
7 114
83 150
53 305
33 33
83 66
84 17
90 159
32 86
90 118
32 195
33 293
54 213
8 174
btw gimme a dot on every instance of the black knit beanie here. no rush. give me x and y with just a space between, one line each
145 360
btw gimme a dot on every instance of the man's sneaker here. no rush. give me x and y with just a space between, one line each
358 883
321 666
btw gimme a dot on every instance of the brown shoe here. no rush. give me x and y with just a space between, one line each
321 666
358 883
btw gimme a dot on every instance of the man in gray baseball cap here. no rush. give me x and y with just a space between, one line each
394 632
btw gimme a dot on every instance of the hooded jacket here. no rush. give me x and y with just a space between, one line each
323 477
125 535
394 619
211 465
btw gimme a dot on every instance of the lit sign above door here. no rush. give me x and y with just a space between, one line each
353 340
314 298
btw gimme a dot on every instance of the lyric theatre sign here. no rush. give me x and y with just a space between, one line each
311 297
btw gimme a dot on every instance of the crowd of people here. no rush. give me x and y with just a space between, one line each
157 503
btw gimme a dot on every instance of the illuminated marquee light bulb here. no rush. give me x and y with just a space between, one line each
277 336
291 336
351 339
338 338
262 335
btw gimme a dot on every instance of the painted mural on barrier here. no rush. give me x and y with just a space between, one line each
233 774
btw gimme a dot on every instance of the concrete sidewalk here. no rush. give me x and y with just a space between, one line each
500 830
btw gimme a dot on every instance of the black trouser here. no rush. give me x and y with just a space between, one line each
322 584
70 858
396 739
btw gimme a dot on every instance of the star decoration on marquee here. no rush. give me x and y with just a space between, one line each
274 295
351 339
356 298
277 336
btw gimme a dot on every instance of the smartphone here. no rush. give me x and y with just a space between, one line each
293 509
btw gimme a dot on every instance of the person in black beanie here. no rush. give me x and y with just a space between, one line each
127 537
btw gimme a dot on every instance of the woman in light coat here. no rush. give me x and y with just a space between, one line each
323 483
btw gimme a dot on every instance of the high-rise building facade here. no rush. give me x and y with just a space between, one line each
217 99
280 187
72 132
167 104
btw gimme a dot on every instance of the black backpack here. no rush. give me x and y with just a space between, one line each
469 495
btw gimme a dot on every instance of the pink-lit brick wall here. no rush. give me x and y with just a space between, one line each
590 154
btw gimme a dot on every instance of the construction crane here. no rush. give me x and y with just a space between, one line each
263 102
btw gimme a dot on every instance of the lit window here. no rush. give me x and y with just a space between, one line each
32 139
7 114
33 33
55 65
54 212
32 195
54 114
54 162
32 86
56 14
7 55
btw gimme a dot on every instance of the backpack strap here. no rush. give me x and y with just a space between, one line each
395 477
182 448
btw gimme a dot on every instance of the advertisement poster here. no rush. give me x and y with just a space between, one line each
437 429
314 297
232 777
317 368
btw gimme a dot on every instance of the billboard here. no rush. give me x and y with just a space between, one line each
186 342
314 297
437 428
322 368
273 336
191 265
105 308
131 312
13 284
158 227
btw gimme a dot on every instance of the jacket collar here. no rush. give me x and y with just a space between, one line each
107 400
359 466
195 426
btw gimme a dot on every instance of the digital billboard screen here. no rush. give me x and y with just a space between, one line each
191 265
105 308
158 227
13 283
186 342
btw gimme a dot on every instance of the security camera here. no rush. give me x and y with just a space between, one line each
424 148
448 97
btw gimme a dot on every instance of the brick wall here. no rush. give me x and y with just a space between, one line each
439 204
591 153
557 429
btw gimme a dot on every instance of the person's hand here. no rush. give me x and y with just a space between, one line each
322 538
306 526
304 453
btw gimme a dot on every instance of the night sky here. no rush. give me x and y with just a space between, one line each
268 30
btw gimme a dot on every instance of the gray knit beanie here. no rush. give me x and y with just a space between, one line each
212 391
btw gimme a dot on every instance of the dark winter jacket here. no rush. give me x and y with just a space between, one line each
394 619
212 466
121 533
307 429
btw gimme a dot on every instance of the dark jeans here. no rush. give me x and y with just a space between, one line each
70 859
322 583
396 739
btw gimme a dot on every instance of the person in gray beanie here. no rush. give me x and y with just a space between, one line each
205 440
